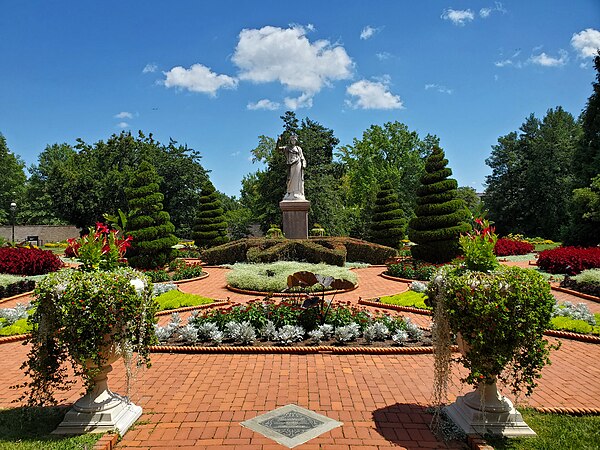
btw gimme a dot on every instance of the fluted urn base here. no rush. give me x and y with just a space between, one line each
486 411
100 410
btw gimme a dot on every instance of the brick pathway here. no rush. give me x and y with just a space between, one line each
198 401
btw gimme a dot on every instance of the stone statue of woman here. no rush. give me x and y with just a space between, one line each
295 168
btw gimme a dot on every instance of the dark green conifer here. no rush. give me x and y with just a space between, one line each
441 216
388 225
211 228
148 224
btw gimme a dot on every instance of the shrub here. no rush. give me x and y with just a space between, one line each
573 325
148 224
588 276
507 247
188 272
412 269
569 260
585 287
28 261
157 276
210 228
388 223
358 250
440 216
296 250
174 299
409 298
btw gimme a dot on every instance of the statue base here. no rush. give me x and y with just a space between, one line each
295 218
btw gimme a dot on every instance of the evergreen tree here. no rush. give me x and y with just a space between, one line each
210 228
148 224
388 225
586 161
440 215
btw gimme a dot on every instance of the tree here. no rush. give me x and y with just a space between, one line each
210 228
12 180
586 161
529 189
384 153
584 228
440 215
388 225
148 224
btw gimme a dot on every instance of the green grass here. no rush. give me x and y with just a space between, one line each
576 326
273 277
519 258
542 247
554 431
408 298
176 299
30 428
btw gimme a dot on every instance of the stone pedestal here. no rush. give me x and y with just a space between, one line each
486 411
100 410
295 218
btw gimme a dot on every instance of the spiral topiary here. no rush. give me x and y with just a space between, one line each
210 229
148 224
388 225
441 216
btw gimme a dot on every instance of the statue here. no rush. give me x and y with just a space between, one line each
295 169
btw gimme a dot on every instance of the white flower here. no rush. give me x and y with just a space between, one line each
138 284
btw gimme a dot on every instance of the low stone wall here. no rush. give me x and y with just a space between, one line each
45 233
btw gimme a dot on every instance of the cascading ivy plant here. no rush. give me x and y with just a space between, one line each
501 314
84 315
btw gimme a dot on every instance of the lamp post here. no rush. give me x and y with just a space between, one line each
13 209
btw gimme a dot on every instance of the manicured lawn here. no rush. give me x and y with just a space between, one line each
177 299
408 298
542 247
555 431
30 428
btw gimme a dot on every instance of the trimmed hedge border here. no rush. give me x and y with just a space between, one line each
589 297
412 309
287 294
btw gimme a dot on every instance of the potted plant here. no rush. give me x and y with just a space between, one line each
498 315
88 318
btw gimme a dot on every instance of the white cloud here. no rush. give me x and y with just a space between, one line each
549 61
263 104
198 78
287 56
304 101
150 68
439 88
503 63
238 153
123 125
372 95
485 12
368 32
382 56
586 43
124 115
458 17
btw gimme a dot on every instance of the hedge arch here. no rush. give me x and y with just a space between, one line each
441 216
210 228
148 224
388 225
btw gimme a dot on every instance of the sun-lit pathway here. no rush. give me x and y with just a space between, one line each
198 401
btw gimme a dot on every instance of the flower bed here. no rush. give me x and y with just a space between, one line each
28 261
569 260
412 269
587 282
508 247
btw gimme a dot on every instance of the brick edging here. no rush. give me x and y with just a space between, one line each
189 280
582 411
106 442
15 297
390 277
412 309
589 297
575 336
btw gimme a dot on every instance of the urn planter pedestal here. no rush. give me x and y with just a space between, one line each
100 410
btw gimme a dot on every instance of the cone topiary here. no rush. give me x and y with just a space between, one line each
210 229
441 216
148 224
388 225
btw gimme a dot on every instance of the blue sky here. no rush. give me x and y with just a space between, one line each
216 75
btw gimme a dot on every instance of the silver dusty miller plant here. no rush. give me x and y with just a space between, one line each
242 332
288 334
347 333
376 332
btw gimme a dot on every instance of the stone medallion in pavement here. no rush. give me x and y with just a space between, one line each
291 425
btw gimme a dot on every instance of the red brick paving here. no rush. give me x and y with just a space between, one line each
197 401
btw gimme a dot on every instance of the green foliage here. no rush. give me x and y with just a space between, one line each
553 431
327 249
273 277
478 247
584 228
21 326
408 298
501 316
187 272
529 190
440 216
176 299
574 325
388 225
12 181
588 276
78 316
412 269
210 228
29 428
148 224
100 249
